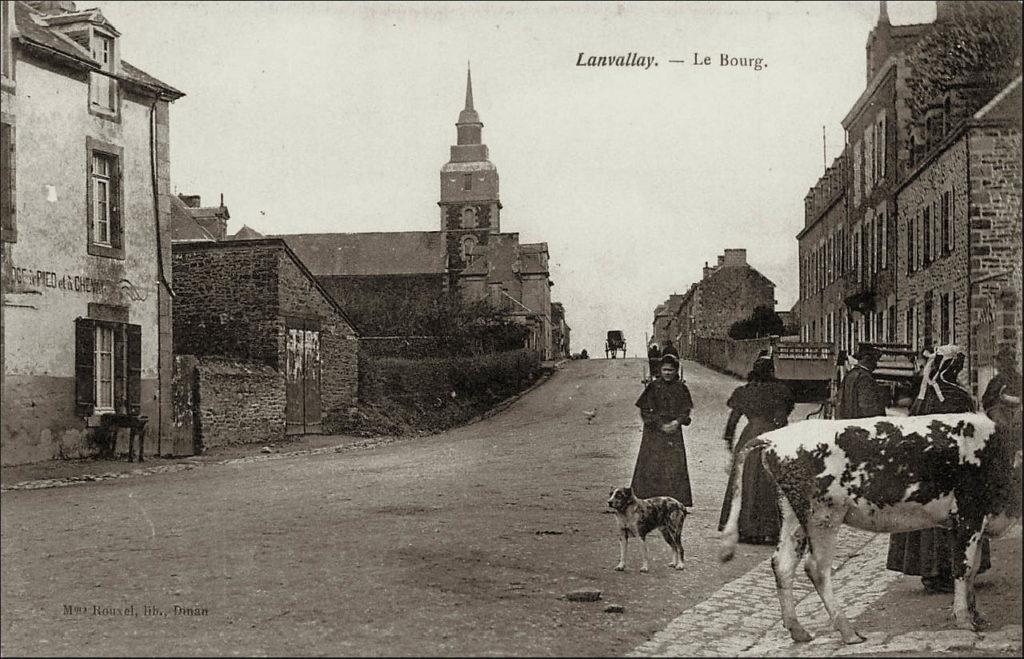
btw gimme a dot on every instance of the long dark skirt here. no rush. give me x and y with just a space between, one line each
661 466
760 519
928 553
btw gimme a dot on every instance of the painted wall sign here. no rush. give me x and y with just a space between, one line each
75 283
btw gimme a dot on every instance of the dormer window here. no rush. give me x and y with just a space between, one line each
102 87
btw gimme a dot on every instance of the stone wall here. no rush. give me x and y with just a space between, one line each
225 303
995 230
239 402
728 355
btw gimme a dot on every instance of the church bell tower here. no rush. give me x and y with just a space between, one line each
470 209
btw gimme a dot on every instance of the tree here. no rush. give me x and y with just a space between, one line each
763 321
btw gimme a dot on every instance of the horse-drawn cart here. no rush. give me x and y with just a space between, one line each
810 371
615 342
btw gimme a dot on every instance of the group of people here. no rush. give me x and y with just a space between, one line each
666 406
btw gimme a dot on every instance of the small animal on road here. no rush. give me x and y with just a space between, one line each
638 517
886 475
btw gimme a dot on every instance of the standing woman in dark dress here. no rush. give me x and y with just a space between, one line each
767 404
929 552
665 408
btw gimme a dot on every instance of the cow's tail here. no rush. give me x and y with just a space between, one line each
731 534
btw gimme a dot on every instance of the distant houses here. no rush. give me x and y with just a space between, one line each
728 292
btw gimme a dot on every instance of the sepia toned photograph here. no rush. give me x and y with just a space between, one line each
287 372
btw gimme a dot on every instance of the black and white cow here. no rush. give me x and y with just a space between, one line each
888 475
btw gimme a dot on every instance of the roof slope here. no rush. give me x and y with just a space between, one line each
184 227
379 253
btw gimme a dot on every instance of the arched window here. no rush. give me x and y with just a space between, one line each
468 245
468 218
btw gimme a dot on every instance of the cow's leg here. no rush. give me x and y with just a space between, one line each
784 562
968 538
823 528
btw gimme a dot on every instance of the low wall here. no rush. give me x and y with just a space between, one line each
729 355
239 402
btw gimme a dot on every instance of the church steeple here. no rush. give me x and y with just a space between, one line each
469 126
469 182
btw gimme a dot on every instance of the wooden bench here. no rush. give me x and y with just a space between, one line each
110 423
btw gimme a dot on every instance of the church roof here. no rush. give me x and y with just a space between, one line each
378 253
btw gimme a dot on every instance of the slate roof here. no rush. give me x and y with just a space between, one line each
184 228
378 253
246 233
33 31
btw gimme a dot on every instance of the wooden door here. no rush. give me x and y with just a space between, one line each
302 377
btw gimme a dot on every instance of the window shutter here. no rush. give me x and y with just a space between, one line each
120 370
85 370
116 186
8 210
134 354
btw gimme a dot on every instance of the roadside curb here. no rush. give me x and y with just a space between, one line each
195 462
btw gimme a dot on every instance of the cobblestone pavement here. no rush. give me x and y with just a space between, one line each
742 618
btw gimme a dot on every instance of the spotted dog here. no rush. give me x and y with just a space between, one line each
887 475
638 517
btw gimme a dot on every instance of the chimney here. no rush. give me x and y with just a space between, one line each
721 260
51 7
191 200
735 258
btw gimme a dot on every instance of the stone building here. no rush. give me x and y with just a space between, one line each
728 292
276 353
373 273
959 230
923 82
85 325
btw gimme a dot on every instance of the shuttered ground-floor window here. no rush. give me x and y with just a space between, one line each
108 367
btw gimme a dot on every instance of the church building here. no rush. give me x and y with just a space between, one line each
374 274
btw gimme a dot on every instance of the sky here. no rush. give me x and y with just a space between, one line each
330 116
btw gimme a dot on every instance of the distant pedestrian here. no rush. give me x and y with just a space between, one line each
669 349
929 552
860 396
665 407
654 359
767 404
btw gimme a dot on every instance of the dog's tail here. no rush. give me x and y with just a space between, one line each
730 534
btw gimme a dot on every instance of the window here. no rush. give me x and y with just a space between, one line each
926 235
108 366
467 182
842 250
947 222
857 155
102 87
928 322
856 256
880 326
869 152
952 317
880 146
8 205
105 230
908 329
102 171
104 366
891 335
883 238
944 319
